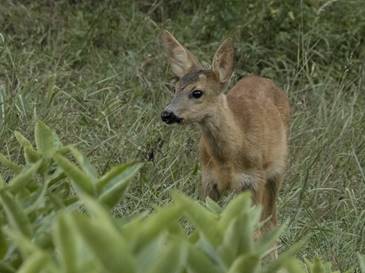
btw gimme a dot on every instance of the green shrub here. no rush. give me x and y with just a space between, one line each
55 218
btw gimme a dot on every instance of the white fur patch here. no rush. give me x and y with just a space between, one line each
244 181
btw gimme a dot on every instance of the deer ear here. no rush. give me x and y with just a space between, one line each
181 60
223 61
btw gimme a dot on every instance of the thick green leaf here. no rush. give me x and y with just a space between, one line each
235 207
10 164
43 238
208 249
84 163
202 218
65 243
178 229
3 242
46 139
23 243
150 252
131 227
2 182
80 180
248 222
245 263
198 262
154 224
110 248
171 259
15 214
213 206
22 140
318 266
117 183
24 177
269 239
117 175
35 263
97 211
285 257
294 266
40 198
229 248
5 268
30 154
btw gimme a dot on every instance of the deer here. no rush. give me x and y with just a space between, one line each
244 132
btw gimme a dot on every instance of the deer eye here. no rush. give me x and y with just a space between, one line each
196 94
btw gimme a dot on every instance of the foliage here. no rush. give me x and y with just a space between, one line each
38 191
43 229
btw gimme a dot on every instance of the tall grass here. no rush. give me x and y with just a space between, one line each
95 72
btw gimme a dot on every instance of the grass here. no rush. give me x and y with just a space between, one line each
96 73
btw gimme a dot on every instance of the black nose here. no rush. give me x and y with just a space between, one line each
169 117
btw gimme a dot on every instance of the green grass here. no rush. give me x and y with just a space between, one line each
96 73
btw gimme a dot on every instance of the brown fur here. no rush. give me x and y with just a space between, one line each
244 133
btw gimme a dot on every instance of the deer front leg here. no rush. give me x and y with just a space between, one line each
209 185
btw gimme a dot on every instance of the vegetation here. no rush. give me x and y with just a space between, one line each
43 228
95 72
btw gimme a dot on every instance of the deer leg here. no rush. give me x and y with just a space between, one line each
209 186
209 183
272 187
258 188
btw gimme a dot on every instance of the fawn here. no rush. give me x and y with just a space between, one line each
243 145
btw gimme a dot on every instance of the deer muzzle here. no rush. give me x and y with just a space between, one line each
169 117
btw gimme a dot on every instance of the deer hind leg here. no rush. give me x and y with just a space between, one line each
264 193
255 183
272 188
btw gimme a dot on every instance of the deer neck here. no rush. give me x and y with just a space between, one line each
220 132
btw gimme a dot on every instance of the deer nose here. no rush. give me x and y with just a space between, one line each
169 117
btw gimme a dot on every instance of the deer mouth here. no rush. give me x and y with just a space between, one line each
170 117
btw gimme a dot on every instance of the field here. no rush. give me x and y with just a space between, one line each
96 73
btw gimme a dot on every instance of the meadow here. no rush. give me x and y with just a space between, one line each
95 71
